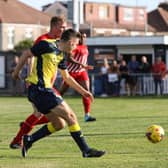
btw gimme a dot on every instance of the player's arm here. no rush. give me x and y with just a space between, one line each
70 58
31 65
106 64
23 59
71 82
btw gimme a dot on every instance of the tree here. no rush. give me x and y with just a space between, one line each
22 45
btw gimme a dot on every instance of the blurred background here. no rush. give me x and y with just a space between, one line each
126 39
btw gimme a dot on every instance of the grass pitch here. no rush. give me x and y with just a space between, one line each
119 129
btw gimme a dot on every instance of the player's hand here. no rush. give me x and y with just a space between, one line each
88 94
88 67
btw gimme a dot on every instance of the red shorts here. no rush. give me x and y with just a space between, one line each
80 76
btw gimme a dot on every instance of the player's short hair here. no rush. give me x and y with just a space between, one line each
56 19
69 33
82 37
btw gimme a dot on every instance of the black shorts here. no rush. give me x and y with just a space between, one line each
43 98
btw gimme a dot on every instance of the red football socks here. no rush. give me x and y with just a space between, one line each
26 127
86 103
42 120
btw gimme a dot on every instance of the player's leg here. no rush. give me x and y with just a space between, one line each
44 131
65 112
83 80
42 120
44 104
25 128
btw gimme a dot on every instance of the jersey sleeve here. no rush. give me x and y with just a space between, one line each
62 64
38 40
39 48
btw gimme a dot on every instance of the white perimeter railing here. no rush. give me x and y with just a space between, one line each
148 84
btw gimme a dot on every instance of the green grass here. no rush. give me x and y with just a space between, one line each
119 129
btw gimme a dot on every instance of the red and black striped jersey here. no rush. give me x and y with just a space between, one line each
80 54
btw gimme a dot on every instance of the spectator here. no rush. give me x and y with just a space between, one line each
144 70
159 72
120 59
113 79
124 77
16 85
133 66
103 72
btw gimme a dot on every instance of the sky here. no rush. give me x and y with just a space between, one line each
150 4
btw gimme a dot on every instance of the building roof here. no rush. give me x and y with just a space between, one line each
14 11
158 18
136 40
112 25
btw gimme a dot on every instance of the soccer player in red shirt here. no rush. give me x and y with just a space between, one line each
77 68
57 26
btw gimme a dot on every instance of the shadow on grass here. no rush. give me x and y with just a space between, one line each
133 117
51 157
135 97
105 134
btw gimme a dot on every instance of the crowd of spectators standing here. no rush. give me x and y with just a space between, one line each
133 75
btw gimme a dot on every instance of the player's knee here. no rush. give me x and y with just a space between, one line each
37 114
59 125
71 117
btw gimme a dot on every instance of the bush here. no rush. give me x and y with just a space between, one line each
22 45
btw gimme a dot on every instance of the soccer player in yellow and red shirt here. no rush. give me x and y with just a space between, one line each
49 56
57 26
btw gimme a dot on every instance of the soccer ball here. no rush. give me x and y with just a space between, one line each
155 133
